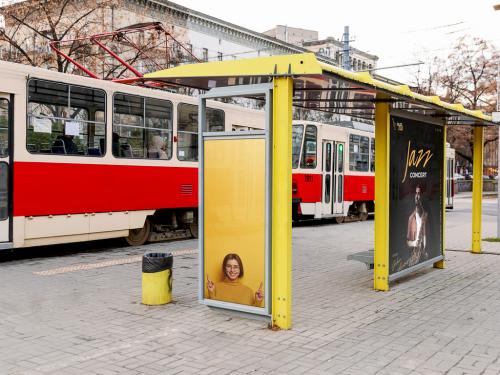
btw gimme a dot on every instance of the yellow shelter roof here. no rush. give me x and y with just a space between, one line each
319 86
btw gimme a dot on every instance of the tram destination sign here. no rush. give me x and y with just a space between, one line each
416 193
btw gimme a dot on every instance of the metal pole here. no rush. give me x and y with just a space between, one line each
346 64
281 207
382 154
498 154
477 188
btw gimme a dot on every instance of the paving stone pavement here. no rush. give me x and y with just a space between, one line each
90 321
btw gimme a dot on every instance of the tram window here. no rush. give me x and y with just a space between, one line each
372 154
159 128
340 156
63 119
327 188
309 150
328 157
358 153
340 186
4 128
187 129
4 191
142 127
297 134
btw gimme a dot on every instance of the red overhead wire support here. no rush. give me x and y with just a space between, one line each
120 36
74 62
123 62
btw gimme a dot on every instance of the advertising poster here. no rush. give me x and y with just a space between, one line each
416 193
234 221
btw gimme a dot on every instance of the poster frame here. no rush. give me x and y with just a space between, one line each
264 90
429 262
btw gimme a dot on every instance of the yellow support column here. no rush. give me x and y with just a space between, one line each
441 264
382 152
282 203
477 189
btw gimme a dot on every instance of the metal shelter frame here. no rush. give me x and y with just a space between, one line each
301 80
263 90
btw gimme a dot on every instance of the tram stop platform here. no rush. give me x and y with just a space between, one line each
78 311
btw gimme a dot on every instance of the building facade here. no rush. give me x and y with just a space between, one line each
329 48
209 38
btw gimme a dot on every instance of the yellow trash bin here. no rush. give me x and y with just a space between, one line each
157 278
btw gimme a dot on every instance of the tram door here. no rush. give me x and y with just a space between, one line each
328 154
338 179
5 124
333 178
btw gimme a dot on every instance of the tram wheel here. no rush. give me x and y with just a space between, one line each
193 228
339 219
363 216
139 236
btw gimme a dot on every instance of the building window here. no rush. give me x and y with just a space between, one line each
65 119
142 127
205 54
219 56
358 153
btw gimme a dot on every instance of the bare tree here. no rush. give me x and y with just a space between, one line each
31 25
466 76
426 79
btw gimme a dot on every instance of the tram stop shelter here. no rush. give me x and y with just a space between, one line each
410 137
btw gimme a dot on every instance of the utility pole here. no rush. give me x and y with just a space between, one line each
346 63
496 118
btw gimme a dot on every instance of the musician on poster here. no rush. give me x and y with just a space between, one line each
416 235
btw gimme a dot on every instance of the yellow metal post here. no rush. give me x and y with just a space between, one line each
441 264
282 203
382 152
477 189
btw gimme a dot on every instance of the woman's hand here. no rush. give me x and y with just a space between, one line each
210 285
259 294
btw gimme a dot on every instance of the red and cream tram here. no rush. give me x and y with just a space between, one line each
85 159
333 171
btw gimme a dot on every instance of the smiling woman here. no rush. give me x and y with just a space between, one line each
230 289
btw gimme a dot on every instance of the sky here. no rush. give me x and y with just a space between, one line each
398 32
